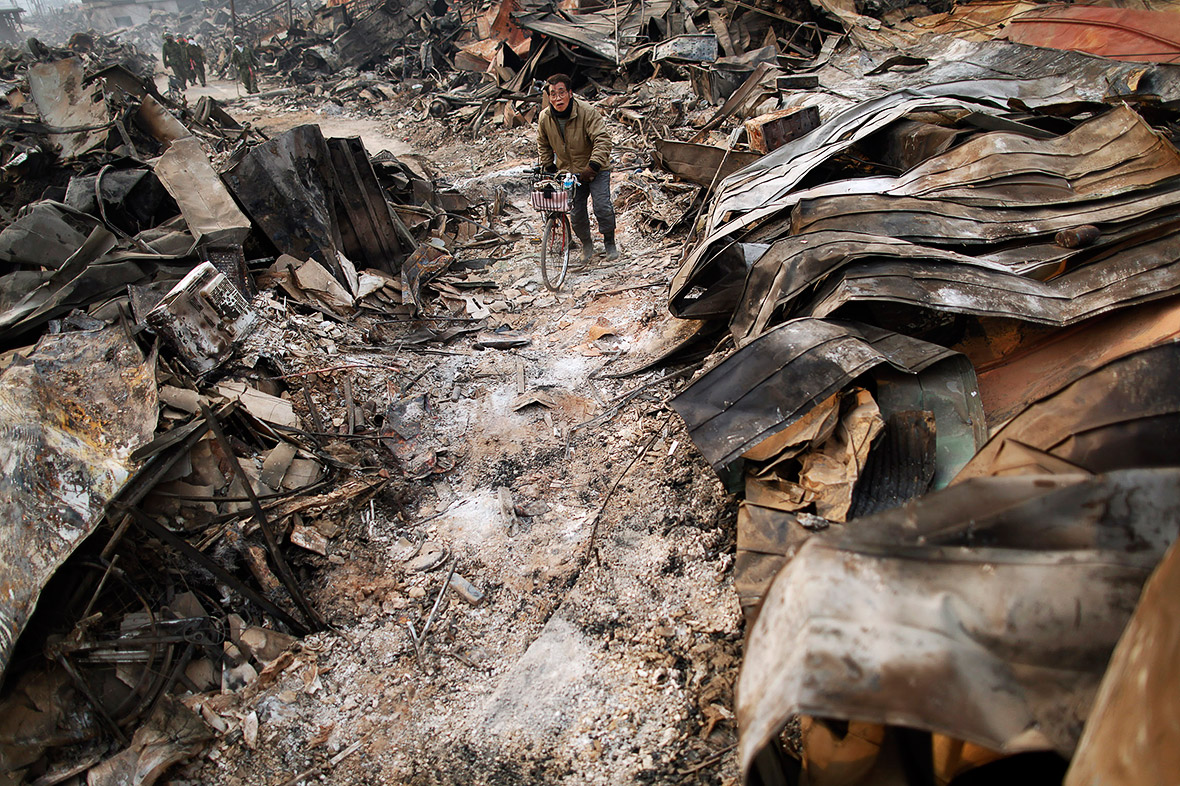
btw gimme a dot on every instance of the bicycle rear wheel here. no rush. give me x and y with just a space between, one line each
555 251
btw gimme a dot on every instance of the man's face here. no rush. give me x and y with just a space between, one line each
559 97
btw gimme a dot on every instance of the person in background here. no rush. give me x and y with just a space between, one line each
242 57
196 60
175 58
572 137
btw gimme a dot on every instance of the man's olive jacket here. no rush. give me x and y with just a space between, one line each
584 142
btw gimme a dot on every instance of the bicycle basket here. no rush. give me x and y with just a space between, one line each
550 198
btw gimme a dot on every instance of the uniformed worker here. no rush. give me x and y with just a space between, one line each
176 58
572 137
242 57
196 60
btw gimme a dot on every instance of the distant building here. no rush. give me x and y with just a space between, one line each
11 31
108 15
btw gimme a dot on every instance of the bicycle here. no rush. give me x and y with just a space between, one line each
551 195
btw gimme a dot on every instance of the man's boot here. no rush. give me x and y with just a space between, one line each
587 251
612 252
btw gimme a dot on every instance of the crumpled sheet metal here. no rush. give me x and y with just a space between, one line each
79 112
1113 153
1125 413
44 234
70 418
700 163
1130 737
1002 644
980 78
854 268
999 69
997 189
766 386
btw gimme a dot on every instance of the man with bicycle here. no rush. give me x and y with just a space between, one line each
572 137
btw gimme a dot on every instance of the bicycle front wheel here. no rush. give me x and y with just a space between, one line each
555 251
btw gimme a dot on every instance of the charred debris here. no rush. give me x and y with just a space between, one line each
933 258
175 462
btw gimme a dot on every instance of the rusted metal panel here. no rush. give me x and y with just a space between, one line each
70 418
1125 413
1035 369
1129 737
1118 33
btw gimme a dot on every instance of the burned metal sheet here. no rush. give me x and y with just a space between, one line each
818 273
78 112
705 165
1146 273
766 386
208 209
71 417
44 234
282 185
1125 413
1109 155
317 198
1002 197
894 621
368 227
979 69
1130 736
688 48
156 120
763 188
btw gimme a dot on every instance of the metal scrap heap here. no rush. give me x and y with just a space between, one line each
948 403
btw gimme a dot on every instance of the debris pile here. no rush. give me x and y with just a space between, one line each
190 477
953 315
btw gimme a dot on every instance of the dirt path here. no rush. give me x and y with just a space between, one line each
611 664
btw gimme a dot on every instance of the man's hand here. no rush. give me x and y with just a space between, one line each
549 169
587 176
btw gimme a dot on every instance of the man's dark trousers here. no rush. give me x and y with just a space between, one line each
604 211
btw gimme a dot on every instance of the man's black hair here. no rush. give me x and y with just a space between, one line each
561 79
